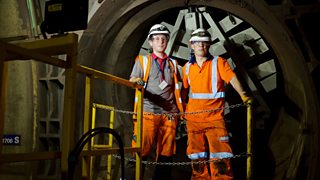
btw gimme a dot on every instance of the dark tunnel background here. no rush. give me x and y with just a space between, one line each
286 117
265 162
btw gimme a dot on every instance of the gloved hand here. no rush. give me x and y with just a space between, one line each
139 81
246 100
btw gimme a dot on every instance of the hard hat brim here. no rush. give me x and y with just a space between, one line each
159 32
197 38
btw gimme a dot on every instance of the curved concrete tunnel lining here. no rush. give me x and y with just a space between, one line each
122 34
299 88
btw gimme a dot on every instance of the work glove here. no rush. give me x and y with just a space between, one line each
247 100
139 81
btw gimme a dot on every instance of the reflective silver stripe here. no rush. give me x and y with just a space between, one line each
221 155
174 64
187 68
145 64
214 80
187 72
177 86
214 77
198 155
206 96
176 71
135 99
224 138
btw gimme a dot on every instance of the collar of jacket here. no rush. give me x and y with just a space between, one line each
193 58
154 57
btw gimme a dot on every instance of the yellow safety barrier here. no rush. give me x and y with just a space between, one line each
101 146
42 51
110 138
94 74
30 50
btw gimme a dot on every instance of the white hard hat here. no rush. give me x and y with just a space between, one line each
200 35
158 29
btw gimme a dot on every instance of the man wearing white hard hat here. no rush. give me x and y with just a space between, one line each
204 79
159 75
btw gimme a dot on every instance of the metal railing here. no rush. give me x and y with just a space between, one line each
69 45
94 74
42 51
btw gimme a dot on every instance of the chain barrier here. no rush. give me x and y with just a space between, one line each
182 163
170 114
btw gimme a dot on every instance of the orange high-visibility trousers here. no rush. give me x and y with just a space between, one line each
157 129
209 140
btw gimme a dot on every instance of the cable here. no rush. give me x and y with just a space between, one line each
74 154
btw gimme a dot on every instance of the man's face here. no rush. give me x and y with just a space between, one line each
200 48
159 42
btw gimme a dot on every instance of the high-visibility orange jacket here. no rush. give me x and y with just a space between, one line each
206 92
206 88
145 62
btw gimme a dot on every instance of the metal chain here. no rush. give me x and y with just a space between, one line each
181 163
175 114
171 113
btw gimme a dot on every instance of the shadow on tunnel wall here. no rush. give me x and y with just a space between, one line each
264 162
96 47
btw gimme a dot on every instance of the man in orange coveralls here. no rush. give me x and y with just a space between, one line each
204 78
159 74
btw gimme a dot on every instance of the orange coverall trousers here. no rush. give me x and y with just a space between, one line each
209 140
160 130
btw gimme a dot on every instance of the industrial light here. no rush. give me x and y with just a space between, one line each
62 16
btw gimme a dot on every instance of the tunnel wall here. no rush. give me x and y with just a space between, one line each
115 34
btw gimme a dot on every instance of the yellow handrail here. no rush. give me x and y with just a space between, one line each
105 76
42 51
90 74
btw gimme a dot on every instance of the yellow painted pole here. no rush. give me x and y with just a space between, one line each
110 140
93 122
139 134
69 107
249 141
88 115
110 143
